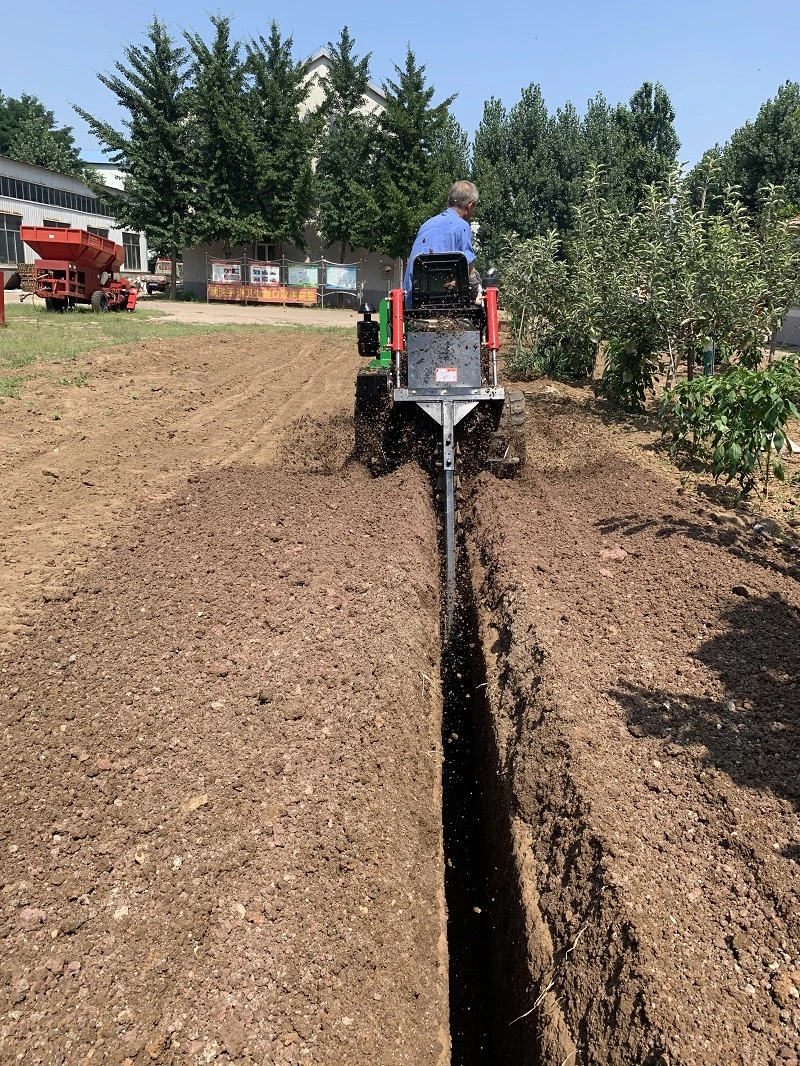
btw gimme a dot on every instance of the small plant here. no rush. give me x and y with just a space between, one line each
737 421
56 417
80 380
629 374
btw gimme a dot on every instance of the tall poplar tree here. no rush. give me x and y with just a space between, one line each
763 152
409 175
649 138
348 211
155 145
284 137
490 172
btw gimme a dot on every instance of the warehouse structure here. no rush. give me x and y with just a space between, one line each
35 196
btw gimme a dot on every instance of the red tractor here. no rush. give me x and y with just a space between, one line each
77 267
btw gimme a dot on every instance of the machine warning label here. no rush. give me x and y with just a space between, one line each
444 375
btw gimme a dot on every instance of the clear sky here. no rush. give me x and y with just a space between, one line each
718 61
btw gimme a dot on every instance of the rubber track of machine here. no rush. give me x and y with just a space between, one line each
510 433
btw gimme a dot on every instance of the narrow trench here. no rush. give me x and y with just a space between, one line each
489 982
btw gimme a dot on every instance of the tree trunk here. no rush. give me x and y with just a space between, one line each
690 359
773 344
173 273
341 253
672 367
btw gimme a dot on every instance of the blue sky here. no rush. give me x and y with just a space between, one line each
718 61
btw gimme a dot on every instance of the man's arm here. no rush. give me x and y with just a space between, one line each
469 252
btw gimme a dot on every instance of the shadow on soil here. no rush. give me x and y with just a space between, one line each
757 658
747 546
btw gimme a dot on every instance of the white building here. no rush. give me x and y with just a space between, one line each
377 273
35 196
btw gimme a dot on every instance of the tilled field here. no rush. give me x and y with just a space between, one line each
221 829
643 666
222 814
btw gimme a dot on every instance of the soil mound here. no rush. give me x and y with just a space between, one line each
220 828
643 681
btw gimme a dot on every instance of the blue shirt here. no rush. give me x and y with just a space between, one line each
447 232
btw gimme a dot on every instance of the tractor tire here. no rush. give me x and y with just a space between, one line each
507 446
52 303
99 301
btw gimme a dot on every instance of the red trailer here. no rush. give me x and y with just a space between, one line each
77 267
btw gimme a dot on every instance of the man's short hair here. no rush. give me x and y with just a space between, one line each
462 194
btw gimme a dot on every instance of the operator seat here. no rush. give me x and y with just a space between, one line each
440 279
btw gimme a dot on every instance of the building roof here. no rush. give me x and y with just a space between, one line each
322 58
6 159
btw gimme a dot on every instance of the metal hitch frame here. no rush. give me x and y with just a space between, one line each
448 407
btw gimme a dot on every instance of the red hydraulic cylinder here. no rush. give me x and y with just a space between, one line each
492 320
397 300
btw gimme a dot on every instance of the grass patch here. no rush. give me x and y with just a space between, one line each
34 334
9 388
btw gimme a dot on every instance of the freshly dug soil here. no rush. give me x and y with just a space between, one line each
220 835
643 667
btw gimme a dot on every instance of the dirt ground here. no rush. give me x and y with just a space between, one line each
238 314
644 655
220 837
150 414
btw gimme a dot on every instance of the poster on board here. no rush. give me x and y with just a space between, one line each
265 274
342 277
304 275
230 273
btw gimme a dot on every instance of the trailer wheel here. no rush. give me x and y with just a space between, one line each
99 300
52 303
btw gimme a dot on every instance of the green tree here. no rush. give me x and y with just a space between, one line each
452 152
284 138
649 141
569 162
348 210
763 152
490 172
227 196
410 174
515 170
155 144
28 132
